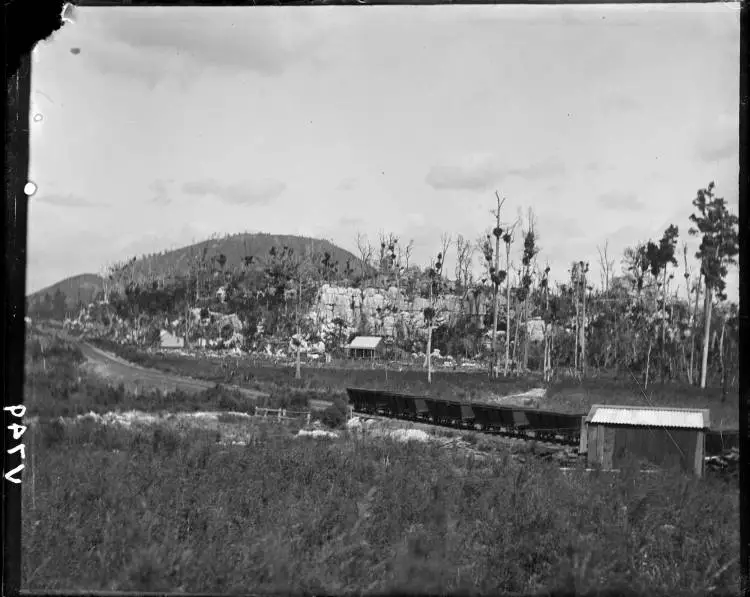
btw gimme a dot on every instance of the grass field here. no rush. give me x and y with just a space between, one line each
566 395
153 510
169 508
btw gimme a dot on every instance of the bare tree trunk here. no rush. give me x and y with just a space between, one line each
721 360
706 336
495 364
648 362
515 338
685 361
526 334
583 329
663 311
507 310
187 323
577 332
552 338
693 320
495 359
429 353
298 369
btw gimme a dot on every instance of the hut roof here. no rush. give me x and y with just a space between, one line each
643 416
365 342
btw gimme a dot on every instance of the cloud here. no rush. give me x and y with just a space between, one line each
474 172
347 184
161 193
158 43
549 168
620 201
349 223
719 150
619 103
477 172
720 140
599 167
248 193
68 200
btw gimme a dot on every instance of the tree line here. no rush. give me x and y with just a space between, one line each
642 319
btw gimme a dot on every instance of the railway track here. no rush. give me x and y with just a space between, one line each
510 435
508 439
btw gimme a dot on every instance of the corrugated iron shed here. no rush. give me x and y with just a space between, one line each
365 342
642 416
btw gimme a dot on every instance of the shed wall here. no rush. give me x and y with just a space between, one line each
656 445
583 446
611 446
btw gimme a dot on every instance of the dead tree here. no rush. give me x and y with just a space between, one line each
366 252
436 288
606 266
497 232
508 240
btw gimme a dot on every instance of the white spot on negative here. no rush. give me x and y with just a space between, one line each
29 188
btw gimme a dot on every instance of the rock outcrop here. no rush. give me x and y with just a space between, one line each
382 312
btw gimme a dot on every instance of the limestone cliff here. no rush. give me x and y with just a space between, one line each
387 312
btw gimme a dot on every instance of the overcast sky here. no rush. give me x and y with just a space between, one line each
156 127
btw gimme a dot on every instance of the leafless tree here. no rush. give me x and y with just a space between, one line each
405 253
465 250
366 251
508 238
606 266
445 243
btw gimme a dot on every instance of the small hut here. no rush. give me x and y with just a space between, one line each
169 340
366 347
662 436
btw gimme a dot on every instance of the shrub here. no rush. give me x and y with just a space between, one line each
52 432
335 415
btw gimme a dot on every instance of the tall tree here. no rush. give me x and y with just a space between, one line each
508 240
366 252
606 266
464 261
530 251
718 229
546 360
496 276
436 289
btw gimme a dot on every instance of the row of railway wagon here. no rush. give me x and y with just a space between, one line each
529 423
513 420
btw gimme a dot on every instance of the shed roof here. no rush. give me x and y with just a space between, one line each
366 342
648 416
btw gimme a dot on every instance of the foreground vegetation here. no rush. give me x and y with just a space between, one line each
165 508
156 510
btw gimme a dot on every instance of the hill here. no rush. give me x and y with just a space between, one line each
235 248
83 287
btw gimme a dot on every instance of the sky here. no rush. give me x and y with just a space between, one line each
153 128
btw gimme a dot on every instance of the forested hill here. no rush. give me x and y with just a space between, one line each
235 248
81 288
84 287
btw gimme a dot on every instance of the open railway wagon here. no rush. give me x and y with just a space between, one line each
525 422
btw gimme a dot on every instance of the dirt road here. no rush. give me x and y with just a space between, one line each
138 379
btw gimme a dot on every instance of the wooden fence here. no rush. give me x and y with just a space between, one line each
282 414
